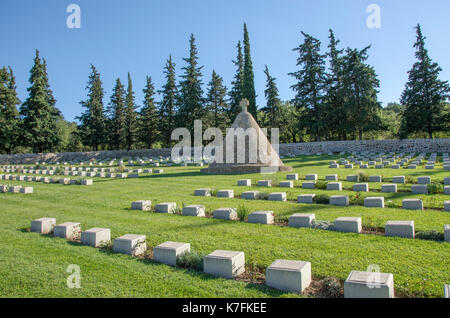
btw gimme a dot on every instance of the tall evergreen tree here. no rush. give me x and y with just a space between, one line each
216 103
92 127
9 115
148 116
425 94
235 93
335 112
310 86
361 83
191 101
130 116
248 87
117 117
40 116
167 106
272 109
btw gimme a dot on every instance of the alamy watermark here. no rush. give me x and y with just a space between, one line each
73 21
374 19
74 279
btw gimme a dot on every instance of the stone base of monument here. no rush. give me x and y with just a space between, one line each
227 264
130 244
168 252
43 225
96 237
243 168
369 285
193 210
262 217
290 276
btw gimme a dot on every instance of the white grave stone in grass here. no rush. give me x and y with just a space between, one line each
67 230
292 176
340 200
262 217
419 189
286 184
130 244
361 187
96 237
374 202
369 285
202 192
309 185
287 275
336 186
244 182
447 206
311 177
399 228
348 224
225 214
264 183
412 204
250 195
43 225
169 252
375 178
277 196
306 198
142 205
352 178
194 210
227 264
166 207
26 190
301 219
447 232
225 194
331 177
424 180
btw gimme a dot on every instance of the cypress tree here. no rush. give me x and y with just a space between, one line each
92 129
424 95
216 103
148 117
272 109
9 115
191 94
40 116
167 106
116 110
248 87
237 85
310 86
130 116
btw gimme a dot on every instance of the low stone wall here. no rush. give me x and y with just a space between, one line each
406 146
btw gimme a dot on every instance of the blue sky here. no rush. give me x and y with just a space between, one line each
138 36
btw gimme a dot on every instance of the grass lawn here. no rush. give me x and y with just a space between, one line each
34 265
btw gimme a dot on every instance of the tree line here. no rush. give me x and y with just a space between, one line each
335 99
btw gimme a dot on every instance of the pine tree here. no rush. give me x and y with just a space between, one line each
272 109
191 94
235 93
40 116
130 116
9 115
216 103
148 117
336 116
425 94
310 87
360 85
92 129
167 106
248 87
117 117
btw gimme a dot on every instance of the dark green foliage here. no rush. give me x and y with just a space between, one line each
192 260
9 115
435 188
40 116
363 176
117 117
272 109
148 116
424 95
322 185
167 106
191 101
243 212
237 84
321 199
309 87
130 116
430 235
248 87
92 127
216 105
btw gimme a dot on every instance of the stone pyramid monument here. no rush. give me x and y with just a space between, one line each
264 160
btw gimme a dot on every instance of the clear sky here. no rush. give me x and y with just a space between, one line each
137 36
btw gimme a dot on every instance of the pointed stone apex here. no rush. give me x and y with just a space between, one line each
244 104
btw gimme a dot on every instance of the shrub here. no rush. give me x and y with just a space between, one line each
322 185
390 204
430 235
435 188
363 176
213 192
121 168
332 287
58 170
321 199
356 199
242 212
192 260
263 196
410 179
